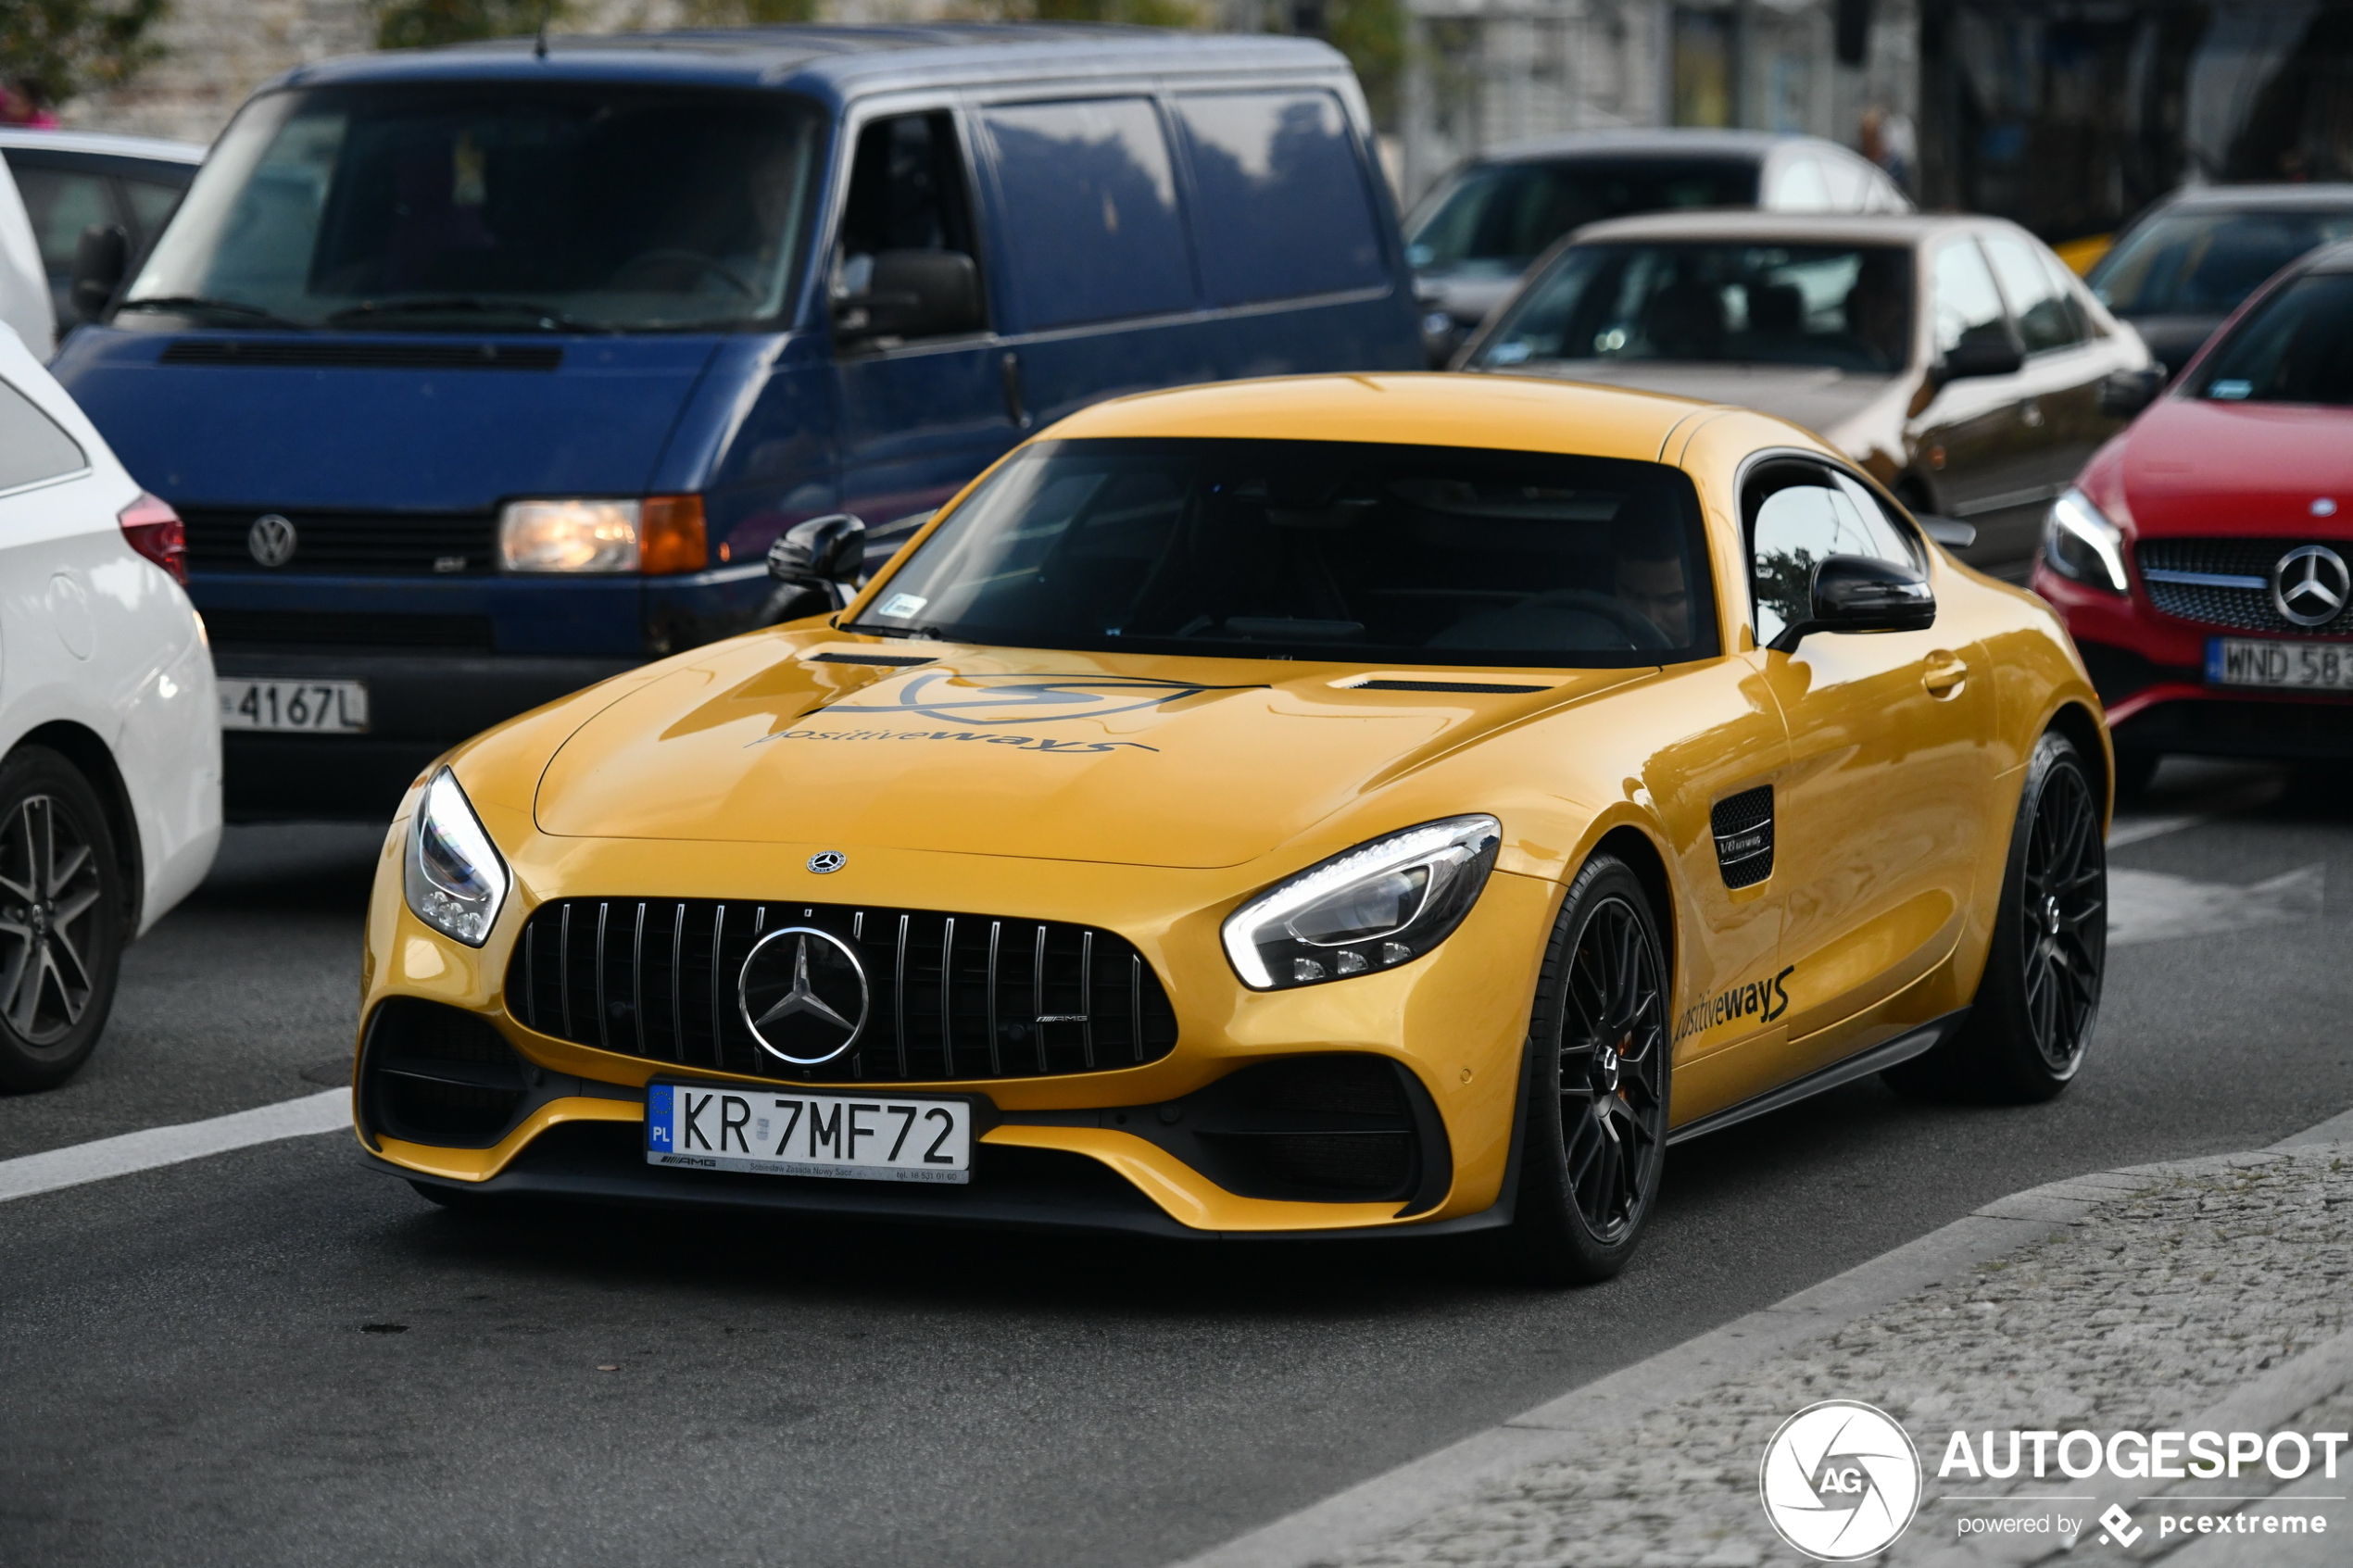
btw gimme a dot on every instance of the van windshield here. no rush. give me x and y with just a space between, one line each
1339 551
571 206
1499 217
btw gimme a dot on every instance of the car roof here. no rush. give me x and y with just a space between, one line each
104 145
1654 143
1502 412
1797 228
2257 198
2331 258
837 61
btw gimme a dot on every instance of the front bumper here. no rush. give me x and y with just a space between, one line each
1102 1150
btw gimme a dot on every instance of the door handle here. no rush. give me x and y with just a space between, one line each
2031 411
1944 676
1009 368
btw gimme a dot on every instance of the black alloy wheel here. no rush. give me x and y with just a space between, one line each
1594 1137
61 919
2031 1022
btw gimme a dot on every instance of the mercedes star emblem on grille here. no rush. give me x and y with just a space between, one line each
271 541
803 995
827 860
2310 584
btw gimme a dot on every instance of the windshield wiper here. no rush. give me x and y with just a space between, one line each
202 302
546 315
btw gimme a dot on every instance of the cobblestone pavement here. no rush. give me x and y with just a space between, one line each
2206 1294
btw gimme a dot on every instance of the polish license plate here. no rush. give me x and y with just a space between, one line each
290 706
864 1137
2279 666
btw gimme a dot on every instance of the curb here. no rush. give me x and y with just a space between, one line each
1594 1417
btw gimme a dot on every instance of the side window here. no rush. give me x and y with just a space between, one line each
1283 208
2045 317
1801 188
61 204
151 202
1844 182
1798 516
31 446
1090 211
2065 285
1967 305
907 192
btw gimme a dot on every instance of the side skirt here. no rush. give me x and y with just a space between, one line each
1877 1059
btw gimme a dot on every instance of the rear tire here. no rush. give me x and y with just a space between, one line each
2031 1022
1594 1114
63 911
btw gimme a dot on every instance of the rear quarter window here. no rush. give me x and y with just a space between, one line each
1283 210
1090 210
31 446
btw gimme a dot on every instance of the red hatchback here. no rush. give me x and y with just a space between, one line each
2204 560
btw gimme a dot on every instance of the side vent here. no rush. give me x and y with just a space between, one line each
1743 827
1483 688
887 661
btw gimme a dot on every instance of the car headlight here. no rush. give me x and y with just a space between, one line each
2080 542
455 877
1373 907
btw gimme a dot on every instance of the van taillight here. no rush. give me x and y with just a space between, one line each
156 532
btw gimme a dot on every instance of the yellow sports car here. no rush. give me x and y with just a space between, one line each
1357 803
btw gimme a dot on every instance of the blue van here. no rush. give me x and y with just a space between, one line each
479 374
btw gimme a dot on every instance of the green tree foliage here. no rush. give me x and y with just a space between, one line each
749 13
1144 13
420 24
1372 34
63 48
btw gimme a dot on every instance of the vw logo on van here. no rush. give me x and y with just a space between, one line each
271 541
2310 584
803 995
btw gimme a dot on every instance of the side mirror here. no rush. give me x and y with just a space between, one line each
826 553
100 259
1861 594
2124 393
912 293
1949 531
1988 351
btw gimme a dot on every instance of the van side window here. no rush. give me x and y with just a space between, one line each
907 192
1798 516
1283 208
1090 210
31 446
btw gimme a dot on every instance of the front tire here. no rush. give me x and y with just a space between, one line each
1593 1129
2031 1022
62 917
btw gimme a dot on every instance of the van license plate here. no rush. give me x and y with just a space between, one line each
333 708
866 1137
2279 666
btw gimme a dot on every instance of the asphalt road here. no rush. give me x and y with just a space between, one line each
273 1356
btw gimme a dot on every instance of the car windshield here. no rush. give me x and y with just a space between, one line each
1499 217
1846 306
2205 263
1334 551
2296 348
565 207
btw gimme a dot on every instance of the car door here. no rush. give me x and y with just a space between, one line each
1877 815
2065 364
1972 438
918 417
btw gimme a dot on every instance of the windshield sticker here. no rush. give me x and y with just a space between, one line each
1020 699
1764 1000
899 606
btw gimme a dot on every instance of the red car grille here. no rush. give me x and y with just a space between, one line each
2227 583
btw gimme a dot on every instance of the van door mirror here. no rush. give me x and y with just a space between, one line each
100 259
826 553
1862 593
912 293
1989 350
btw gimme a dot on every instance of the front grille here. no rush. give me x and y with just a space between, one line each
1743 824
2248 608
359 543
299 354
319 628
950 996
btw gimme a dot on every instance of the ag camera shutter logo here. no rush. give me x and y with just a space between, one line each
1840 1480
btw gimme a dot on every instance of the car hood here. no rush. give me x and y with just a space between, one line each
1821 400
2192 466
1051 756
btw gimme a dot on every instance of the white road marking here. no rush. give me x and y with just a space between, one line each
146 1149
2134 829
2158 906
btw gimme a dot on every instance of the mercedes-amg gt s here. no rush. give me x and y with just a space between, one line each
1390 804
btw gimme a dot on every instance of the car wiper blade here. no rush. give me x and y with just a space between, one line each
546 315
205 302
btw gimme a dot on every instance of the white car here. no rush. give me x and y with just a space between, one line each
109 729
